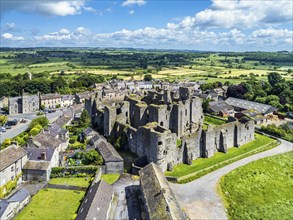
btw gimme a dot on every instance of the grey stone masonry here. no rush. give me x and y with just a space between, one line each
165 126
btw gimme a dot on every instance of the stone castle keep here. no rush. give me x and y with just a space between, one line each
165 127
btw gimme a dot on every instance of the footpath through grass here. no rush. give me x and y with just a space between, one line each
82 182
201 166
260 190
52 204
110 178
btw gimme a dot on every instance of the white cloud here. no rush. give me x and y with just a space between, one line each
133 2
131 12
47 7
8 36
241 14
9 26
80 35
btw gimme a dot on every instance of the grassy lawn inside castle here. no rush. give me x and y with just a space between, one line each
201 166
260 190
52 204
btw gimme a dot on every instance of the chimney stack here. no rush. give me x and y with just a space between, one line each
43 155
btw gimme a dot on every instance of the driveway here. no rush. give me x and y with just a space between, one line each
200 199
121 209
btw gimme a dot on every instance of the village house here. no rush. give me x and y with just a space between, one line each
66 100
40 163
81 97
97 202
50 100
11 206
12 160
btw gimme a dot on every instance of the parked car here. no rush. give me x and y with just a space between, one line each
3 129
11 123
7 127
23 121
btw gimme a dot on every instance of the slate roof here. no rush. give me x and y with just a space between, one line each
50 96
67 97
35 153
45 140
108 152
96 202
88 131
159 198
218 106
36 165
19 196
96 139
244 104
3 206
10 154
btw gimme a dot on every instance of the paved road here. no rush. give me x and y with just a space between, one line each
14 131
200 199
21 127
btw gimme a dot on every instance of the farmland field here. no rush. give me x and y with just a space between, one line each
260 190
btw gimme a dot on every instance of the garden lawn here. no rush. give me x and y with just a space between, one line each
202 163
70 181
110 178
213 121
52 204
260 190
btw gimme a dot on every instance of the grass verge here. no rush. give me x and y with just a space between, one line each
52 204
110 178
202 166
260 190
82 182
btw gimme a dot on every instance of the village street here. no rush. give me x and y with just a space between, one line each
200 199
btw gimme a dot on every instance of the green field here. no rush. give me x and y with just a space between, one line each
110 178
51 204
202 166
82 182
260 190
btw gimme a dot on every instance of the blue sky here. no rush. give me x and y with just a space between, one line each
222 25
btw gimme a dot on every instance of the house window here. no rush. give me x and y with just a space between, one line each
12 178
12 169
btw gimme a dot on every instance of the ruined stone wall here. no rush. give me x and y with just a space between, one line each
222 137
109 120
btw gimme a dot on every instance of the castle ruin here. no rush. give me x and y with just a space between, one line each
164 126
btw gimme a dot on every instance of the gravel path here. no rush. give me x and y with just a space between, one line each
199 197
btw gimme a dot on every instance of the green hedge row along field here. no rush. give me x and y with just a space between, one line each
260 190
